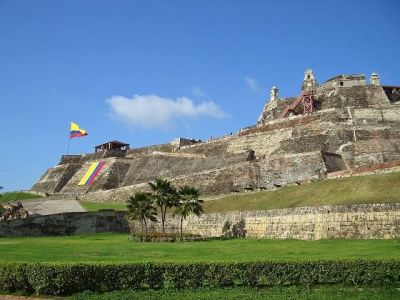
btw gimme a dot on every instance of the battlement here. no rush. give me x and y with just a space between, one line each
346 80
67 159
345 90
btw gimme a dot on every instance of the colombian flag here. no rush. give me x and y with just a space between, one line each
91 173
75 131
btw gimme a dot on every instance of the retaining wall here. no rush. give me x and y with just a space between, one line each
361 221
66 224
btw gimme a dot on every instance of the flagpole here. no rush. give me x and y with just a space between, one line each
69 140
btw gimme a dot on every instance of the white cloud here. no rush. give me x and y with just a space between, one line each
152 111
252 84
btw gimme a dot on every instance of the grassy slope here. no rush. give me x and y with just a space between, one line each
94 206
358 189
12 196
117 248
293 292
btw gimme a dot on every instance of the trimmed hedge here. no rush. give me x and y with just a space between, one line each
68 279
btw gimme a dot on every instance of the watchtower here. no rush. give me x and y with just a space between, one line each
374 79
309 82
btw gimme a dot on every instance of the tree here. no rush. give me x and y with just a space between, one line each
165 196
189 202
140 207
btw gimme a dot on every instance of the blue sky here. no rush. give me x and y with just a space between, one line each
145 72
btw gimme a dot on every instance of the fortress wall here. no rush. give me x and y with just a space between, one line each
115 176
149 167
369 152
138 152
102 179
54 179
269 138
387 115
355 96
332 96
360 221
68 159
362 136
66 224
263 143
210 148
259 174
103 154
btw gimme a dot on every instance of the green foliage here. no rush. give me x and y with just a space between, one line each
165 237
377 188
165 196
67 279
13 196
246 293
140 207
188 203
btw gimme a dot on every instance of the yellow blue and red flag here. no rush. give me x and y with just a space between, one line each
91 173
75 131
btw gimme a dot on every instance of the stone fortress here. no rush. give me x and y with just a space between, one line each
343 126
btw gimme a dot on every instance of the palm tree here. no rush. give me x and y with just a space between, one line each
140 207
189 202
165 196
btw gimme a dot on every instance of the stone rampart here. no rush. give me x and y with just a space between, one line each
137 152
55 178
149 167
66 224
110 176
245 175
360 221
353 96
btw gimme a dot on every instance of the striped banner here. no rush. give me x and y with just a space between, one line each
91 173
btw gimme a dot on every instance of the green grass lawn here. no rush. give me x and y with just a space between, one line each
94 206
116 248
293 292
359 189
12 196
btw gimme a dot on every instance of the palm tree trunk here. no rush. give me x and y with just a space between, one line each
163 219
181 229
145 226
141 223
165 215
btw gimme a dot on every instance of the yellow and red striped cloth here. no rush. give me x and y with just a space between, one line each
91 173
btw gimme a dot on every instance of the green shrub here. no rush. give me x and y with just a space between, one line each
67 279
165 237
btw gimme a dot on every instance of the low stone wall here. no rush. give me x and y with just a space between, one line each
362 221
66 224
